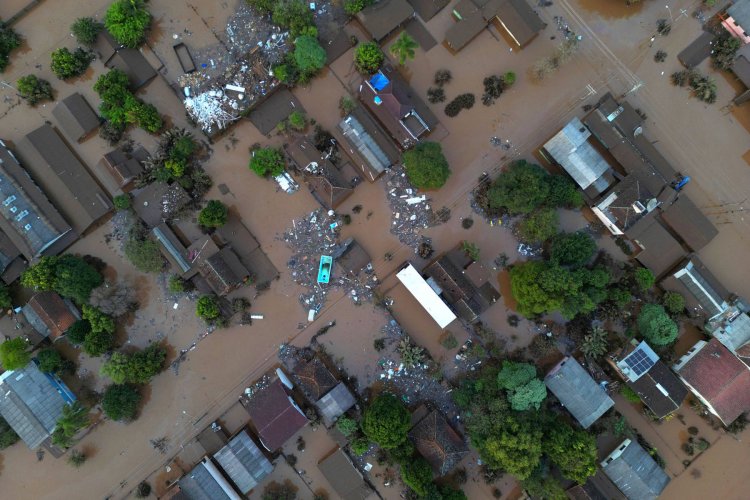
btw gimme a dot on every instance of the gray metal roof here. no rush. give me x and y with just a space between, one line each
578 392
740 12
75 116
571 149
363 141
30 403
335 403
199 484
243 462
634 472
709 299
344 477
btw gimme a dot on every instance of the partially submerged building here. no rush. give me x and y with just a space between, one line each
397 107
513 18
427 297
578 392
635 472
76 117
331 397
741 69
371 150
32 402
344 478
327 183
159 202
274 414
247 249
463 283
704 294
124 166
352 258
205 482
383 18
276 108
653 381
243 462
717 378
438 443
732 328
50 315
62 176
130 61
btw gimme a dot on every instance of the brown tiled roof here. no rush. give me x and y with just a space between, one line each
75 116
687 220
720 378
54 312
314 378
274 415
438 443
123 166
224 271
384 17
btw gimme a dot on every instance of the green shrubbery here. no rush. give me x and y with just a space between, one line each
120 107
34 90
128 21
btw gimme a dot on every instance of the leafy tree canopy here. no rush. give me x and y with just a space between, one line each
386 421
50 360
144 255
267 162
673 302
368 57
120 402
572 451
68 275
572 249
309 56
127 21
74 417
207 308
403 48
524 389
214 214
67 64
137 368
14 354
563 192
8 436
417 475
426 165
34 90
644 278
656 326
86 29
5 300
9 40
76 334
520 189
538 226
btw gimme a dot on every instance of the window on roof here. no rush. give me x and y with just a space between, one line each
14 209
10 199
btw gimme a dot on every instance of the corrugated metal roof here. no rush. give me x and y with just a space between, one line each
578 392
335 403
634 472
571 149
243 462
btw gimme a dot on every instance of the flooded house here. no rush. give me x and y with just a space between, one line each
635 473
352 258
130 61
717 377
159 202
124 166
367 144
437 441
649 377
76 117
32 402
383 18
274 414
274 109
331 397
732 328
515 19
704 295
578 392
50 315
346 480
425 295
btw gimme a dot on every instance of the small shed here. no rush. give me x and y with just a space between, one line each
76 118
578 392
335 403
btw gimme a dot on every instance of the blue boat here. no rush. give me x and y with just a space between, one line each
324 271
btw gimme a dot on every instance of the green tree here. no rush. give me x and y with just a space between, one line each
297 120
595 344
629 394
544 486
128 21
403 48
77 458
68 275
280 491
426 165
145 115
122 201
563 193
519 189
386 421
9 41
207 308
41 276
34 90
368 57
644 279
656 326
524 389
8 436
77 332
14 354
673 302
5 299
538 226
214 214
120 401
309 56
50 360
74 417
67 64
86 29
136 368
621 297
417 475
572 451
144 254
724 52
267 162
347 426
572 249
515 448
295 15
353 6
100 338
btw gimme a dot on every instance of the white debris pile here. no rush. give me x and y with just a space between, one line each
411 211
210 109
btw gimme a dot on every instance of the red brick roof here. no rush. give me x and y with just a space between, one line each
274 415
721 379
53 311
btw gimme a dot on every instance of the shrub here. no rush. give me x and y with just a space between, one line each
353 6
629 394
435 95
77 332
9 41
347 105
111 133
644 279
122 201
673 302
572 249
294 15
660 56
176 284
67 64
656 326
449 342
144 254
368 57
426 165
120 402
135 368
143 490
267 162
50 360
467 223
14 354
128 21
8 436
5 300
360 445
34 90
214 214
539 226
76 458
462 101
309 56
443 77
509 78
297 120
347 426
417 475
86 29
724 52
207 308
386 421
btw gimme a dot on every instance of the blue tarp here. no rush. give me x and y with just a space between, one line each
379 81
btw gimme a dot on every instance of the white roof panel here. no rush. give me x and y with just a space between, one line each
426 296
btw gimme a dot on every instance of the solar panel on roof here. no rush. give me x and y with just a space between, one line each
639 362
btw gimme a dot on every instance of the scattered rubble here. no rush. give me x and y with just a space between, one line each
411 211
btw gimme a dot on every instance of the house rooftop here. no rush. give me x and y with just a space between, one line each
634 472
741 64
732 329
205 482
689 223
61 175
124 166
367 143
243 462
596 487
314 378
129 61
517 18
353 257
172 248
438 443
718 377
343 476
159 202
703 293
578 392
625 204
335 403
427 297
427 9
223 271
275 415
50 314
246 248
740 12
326 182
30 225
75 116
273 110
384 17
32 402
660 250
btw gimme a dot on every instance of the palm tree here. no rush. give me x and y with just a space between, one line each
595 344
403 48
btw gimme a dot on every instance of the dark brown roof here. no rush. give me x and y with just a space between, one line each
343 477
10 258
596 487
224 271
695 53
75 116
427 9
438 443
467 27
159 202
54 312
354 257
314 378
720 378
124 166
274 109
519 20
516 16
63 177
661 252
130 61
689 223
47 225
370 148
327 184
398 108
247 248
741 65
384 17
274 415
648 388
